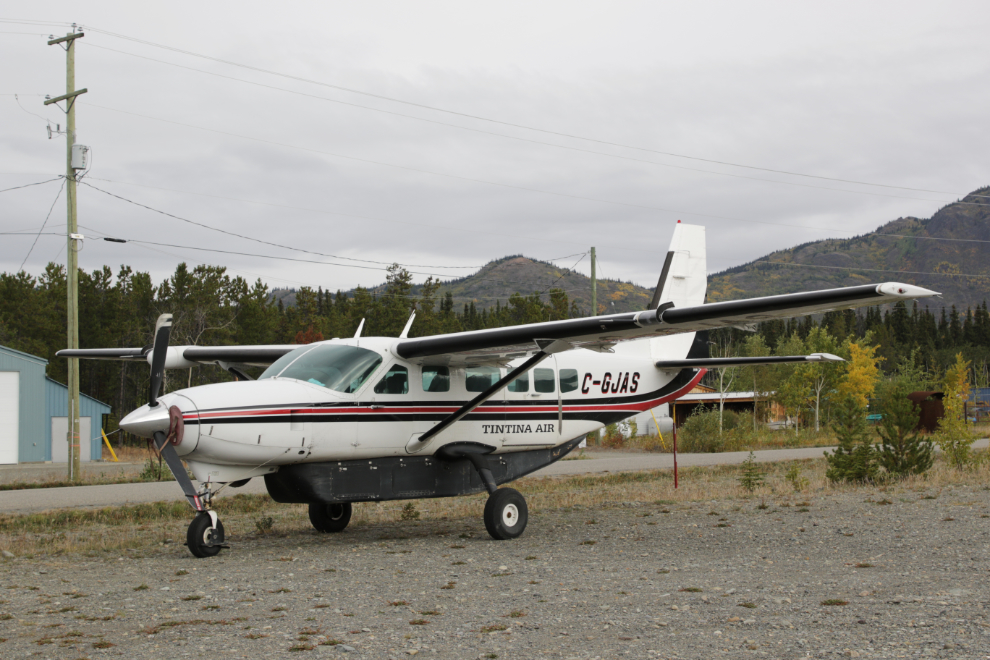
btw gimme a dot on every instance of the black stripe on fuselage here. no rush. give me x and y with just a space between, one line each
680 381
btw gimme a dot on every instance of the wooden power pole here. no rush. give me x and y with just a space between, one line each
74 242
594 286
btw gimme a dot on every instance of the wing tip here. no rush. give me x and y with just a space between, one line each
906 291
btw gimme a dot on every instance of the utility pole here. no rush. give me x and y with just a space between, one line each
594 286
73 238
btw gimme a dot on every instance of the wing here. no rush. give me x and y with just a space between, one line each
183 357
600 333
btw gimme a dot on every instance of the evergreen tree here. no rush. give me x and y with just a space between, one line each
855 458
903 450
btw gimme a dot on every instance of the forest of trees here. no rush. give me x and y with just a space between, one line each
212 308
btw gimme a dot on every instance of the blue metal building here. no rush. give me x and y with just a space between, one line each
33 411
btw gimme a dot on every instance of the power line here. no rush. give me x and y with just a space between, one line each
871 270
28 185
43 225
458 227
503 135
473 180
461 228
258 240
506 123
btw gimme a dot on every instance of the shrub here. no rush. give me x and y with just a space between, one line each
613 436
265 525
794 477
700 432
904 451
855 459
155 470
409 511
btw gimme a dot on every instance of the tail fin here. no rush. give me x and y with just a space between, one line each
683 281
684 278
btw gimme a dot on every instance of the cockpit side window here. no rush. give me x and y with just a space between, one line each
395 381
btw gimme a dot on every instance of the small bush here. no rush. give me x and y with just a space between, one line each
795 479
409 512
265 525
155 470
751 477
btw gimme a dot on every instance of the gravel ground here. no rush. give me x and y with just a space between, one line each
698 580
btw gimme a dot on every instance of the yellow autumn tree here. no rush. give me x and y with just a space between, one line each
862 372
953 434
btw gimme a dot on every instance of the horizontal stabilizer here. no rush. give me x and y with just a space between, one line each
743 361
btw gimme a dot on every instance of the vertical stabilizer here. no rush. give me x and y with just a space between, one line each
684 277
683 281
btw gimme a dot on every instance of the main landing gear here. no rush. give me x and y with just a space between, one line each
330 518
506 513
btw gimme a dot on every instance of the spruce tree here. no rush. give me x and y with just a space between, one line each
904 451
855 459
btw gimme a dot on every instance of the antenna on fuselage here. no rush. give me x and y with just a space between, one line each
360 328
405 331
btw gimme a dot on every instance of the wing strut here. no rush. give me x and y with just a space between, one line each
547 348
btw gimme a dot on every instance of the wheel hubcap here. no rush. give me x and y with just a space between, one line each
510 515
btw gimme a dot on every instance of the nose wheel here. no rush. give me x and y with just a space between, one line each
506 514
204 538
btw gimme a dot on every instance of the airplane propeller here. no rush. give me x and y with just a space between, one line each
165 443
163 328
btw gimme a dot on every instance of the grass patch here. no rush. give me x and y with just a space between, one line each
835 602
497 627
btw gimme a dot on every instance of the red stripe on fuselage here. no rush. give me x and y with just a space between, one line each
637 406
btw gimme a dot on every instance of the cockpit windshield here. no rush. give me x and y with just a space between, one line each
340 368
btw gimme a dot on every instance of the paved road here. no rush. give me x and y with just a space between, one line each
40 499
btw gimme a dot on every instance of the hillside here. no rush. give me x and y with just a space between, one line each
903 249
499 279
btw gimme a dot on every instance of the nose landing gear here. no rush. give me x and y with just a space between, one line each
205 536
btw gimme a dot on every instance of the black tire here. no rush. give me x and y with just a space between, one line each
202 539
506 514
330 518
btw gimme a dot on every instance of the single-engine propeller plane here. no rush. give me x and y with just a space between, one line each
381 418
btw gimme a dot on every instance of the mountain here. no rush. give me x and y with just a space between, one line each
498 280
949 252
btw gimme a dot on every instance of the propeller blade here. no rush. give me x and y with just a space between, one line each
162 329
174 463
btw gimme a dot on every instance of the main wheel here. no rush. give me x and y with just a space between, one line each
330 518
506 514
202 539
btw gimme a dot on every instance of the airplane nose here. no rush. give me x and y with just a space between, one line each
145 421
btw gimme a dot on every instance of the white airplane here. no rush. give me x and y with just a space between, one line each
381 418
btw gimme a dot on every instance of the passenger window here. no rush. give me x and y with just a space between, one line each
479 379
568 380
520 384
543 380
396 381
437 379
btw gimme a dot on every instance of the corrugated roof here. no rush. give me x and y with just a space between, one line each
21 354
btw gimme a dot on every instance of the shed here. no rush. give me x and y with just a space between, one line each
932 409
33 411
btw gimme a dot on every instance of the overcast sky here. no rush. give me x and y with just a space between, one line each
888 93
